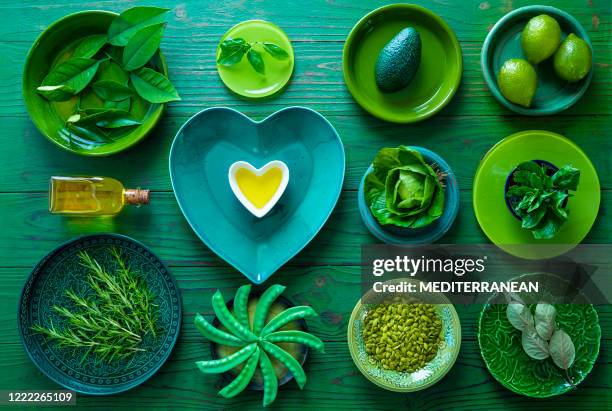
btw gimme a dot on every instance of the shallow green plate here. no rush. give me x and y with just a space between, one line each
60 270
438 76
504 42
405 381
497 220
241 78
501 349
56 44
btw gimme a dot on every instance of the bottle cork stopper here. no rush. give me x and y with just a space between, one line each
137 196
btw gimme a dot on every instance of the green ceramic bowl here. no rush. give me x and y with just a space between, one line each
55 44
501 349
404 381
496 218
504 42
438 76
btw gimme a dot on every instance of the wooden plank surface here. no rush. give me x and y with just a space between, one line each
326 273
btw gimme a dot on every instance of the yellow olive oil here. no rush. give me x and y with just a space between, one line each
259 189
92 196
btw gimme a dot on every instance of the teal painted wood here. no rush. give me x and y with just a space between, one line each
319 275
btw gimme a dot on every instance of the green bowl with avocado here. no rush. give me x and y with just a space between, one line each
438 74
553 94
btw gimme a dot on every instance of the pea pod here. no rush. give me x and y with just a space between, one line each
229 321
297 337
287 316
263 306
214 334
287 359
242 380
270 382
241 305
226 363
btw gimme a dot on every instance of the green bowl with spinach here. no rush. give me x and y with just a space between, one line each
55 45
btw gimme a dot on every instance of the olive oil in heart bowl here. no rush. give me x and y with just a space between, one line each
404 344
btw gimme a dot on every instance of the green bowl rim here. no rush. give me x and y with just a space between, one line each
353 89
157 114
492 82
351 338
41 263
481 314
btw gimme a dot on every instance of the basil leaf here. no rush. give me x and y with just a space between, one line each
112 90
562 350
256 61
142 46
56 93
128 23
119 105
90 46
232 51
519 316
275 51
75 73
153 86
104 118
534 345
545 320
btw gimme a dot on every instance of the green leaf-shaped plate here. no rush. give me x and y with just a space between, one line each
501 349
60 270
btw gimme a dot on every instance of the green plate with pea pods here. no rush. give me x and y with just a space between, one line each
503 42
437 78
61 270
56 43
503 354
433 371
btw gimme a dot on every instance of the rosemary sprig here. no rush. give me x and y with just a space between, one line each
112 321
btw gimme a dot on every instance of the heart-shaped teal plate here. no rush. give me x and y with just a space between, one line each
203 151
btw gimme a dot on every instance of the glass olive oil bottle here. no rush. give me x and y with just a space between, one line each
92 196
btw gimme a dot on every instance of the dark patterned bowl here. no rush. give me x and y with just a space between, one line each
59 271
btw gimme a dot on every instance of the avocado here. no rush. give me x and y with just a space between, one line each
399 61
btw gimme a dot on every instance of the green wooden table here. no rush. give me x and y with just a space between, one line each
324 275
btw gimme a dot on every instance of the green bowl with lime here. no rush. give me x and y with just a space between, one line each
538 68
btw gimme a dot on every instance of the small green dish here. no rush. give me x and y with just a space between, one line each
404 381
241 78
438 76
502 352
503 42
53 45
496 219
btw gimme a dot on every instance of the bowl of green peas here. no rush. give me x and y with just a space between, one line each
404 342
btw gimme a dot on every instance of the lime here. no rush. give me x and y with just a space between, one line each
540 38
517 81
573 60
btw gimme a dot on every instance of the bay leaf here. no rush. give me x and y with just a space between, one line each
545 320
519 316
90 46
111 90
153 86
105 118
75 73
534 345
120 105
142 46
562 350
56 93
128 23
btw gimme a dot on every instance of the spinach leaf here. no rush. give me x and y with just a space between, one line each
256 61
153 86
75 74
90 46
56 93
128 23
232 51
566 178
111 90
142 46
275 51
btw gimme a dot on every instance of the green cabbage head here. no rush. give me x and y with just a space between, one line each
403 190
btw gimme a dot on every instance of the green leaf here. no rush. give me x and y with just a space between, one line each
532 219
142 46
111 90
275 51
545 320
232 51
534 345
75 74
90 46
567 177
153 86
119 105
128 23
104 118
110 70
547 228
56 93
562 350
519 316
256 61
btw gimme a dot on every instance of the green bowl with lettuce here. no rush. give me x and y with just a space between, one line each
409 195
